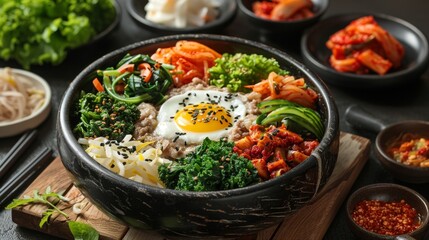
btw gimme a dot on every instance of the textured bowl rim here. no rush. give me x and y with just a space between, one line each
34 119
358 192
322 67
331 132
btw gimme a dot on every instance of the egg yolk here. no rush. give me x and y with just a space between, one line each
203 117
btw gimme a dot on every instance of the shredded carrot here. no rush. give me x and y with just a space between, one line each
145 71
126 68
191 60
98 85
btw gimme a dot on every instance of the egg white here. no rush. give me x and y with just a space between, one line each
167 127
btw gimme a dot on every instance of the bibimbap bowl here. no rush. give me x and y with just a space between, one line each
228 213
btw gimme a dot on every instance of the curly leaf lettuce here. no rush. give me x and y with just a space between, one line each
42 31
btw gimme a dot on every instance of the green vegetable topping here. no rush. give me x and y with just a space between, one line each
137 78
298 118
80 231
213 166
103 116
41 31
238 70
48 198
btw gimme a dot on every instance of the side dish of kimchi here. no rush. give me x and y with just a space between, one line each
283 10
364 47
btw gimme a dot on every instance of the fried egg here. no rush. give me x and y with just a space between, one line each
197 114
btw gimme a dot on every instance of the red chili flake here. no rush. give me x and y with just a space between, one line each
386 218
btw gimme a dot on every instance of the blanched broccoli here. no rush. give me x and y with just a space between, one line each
212 166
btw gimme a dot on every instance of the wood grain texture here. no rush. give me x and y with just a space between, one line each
313 219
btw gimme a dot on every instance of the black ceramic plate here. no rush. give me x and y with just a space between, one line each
227 11
316 54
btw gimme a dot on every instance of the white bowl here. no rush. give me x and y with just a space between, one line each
33 120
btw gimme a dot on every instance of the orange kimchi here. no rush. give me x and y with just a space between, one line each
364 47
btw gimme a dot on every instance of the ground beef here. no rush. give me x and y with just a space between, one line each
176 149
196 84
147 121
241 128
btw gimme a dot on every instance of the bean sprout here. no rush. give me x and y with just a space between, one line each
18 97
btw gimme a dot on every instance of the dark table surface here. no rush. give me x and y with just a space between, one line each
410 102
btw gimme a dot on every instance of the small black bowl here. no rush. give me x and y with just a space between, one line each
269 26
227 12
316 54
388 192
391 135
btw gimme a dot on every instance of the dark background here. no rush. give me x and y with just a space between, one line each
391 105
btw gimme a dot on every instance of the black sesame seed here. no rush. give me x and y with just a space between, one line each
275 131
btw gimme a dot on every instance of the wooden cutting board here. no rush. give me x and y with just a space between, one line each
353 154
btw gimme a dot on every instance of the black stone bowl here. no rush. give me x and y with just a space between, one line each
283 27
228 213
227 12
316 54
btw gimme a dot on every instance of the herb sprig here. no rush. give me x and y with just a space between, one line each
80 231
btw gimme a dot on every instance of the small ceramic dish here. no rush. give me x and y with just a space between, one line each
12 128
316 54
389 192
110 27
227 12
392 135
271 26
